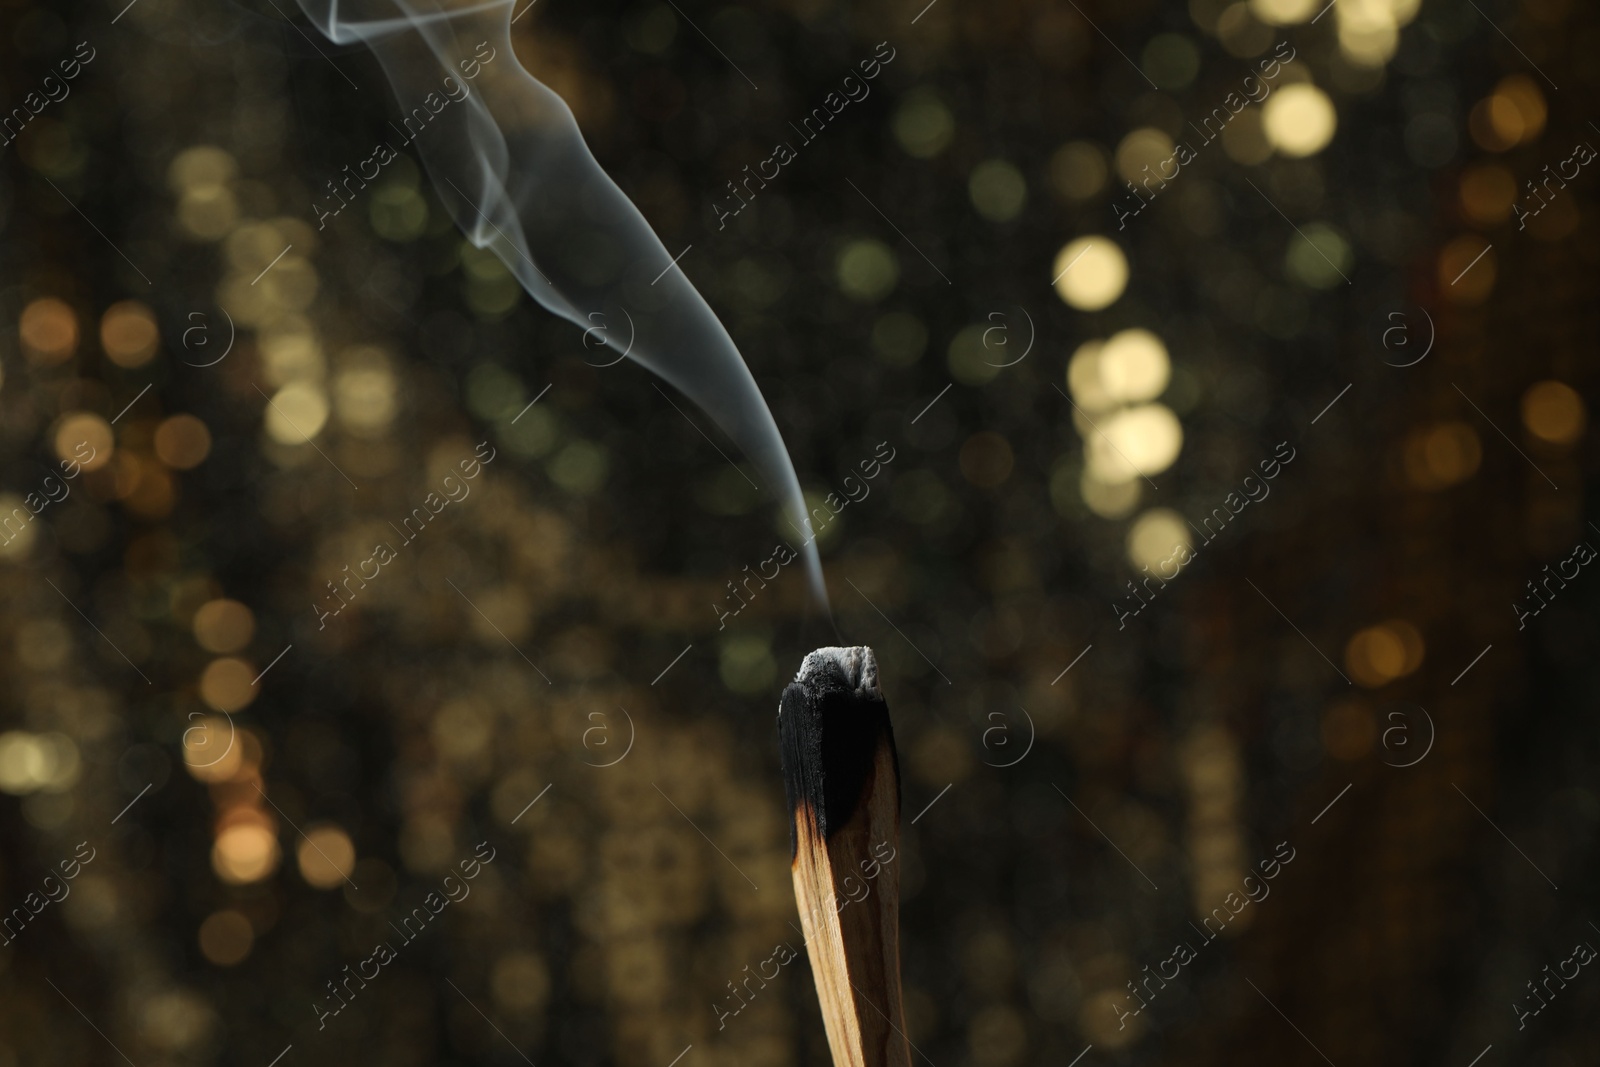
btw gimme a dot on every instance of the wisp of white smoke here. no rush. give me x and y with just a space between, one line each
511 166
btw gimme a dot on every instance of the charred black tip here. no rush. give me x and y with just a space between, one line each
831 719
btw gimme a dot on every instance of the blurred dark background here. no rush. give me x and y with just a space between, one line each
1350 669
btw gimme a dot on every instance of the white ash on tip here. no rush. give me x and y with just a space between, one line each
857 665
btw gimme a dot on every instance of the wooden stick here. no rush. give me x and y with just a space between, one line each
842 779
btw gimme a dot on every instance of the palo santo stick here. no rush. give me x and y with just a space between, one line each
842 779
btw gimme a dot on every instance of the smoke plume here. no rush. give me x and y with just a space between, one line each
509 163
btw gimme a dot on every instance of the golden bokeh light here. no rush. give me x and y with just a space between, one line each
85 439
226 938
290 285
1134 366
1283 12
174 1020
290 351
1078 170
16 535
1442 455
1375 656
1495 123
126 472
182 442
1524 93
1369 44
1526 96
1104 1008
223 626
34 762
297 413
207 212
520 982
267 280
1090 273
48 330
326 856
1299 120
200 165
1083 378
1487 193
1369 30
1241 32
245 852
1109 500
129 334
1379 654
1136 441
1553 412
1104 376
253 247
1513 114
1141 152
365 394
212 751
1411 640
227 684
1156 538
